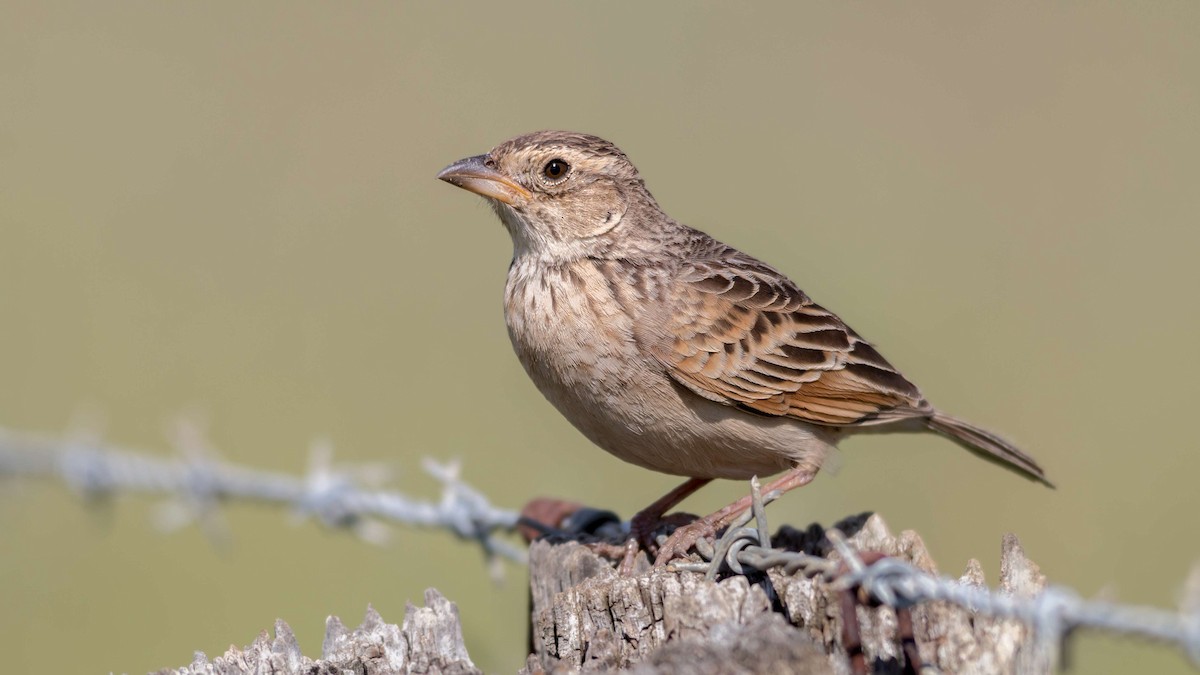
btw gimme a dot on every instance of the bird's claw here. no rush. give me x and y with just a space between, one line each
683 539
629 558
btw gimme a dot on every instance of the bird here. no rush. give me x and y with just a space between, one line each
675 351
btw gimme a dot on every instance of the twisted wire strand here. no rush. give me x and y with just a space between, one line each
336 499
201 482
1054 614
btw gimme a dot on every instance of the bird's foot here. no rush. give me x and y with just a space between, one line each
684 538
643 528
629 558
607 549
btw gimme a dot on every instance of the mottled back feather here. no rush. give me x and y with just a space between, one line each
742 334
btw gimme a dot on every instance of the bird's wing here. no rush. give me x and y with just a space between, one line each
742 334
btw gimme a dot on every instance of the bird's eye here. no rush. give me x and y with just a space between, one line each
555 169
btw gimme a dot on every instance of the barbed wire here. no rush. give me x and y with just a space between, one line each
198 482
1053 614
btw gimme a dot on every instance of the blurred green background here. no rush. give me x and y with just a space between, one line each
231 208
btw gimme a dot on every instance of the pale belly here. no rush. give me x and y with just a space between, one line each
577 345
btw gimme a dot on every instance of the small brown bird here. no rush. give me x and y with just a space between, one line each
672 350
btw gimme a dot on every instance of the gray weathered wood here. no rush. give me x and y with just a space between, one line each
429 641
586 617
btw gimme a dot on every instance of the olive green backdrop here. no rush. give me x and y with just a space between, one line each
231 208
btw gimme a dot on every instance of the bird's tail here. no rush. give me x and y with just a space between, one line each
987 445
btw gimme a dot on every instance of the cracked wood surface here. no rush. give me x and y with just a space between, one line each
429 640
587 618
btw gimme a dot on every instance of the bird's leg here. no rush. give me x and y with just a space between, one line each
683 538
644 522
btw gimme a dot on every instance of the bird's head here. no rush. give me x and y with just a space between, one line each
562 195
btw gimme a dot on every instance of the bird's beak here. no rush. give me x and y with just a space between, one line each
475 175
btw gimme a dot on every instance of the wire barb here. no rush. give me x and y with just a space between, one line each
1054 614
197 482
